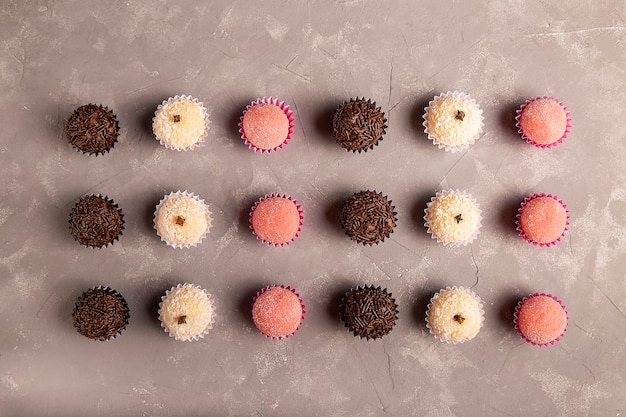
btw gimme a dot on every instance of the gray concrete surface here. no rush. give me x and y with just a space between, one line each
130 56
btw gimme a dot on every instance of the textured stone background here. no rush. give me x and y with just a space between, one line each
130 56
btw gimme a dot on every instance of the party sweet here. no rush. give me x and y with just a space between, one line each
186 312
96 221
540 319
92 129
276 219
266 125
455 315
180 123
368 217
369 312
358 125
453 218
101 313
542 219
182 219
453 121
277 311
543 121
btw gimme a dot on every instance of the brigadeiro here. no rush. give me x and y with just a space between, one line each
96 221
92 129
101 313
368 217
369 312
358 125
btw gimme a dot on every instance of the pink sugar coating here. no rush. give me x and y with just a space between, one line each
543 219
543 121
276 220
265 125
541 319
277 312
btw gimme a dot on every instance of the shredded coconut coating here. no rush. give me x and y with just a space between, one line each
454 315
452 218
454 121
187 312
182 220
179 123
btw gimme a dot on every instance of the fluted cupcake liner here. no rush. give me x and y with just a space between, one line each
201 332
197 140
88 231
442 337
263 290
437 140
369 319
568 124
518 330
92 149
182 244
370 131
439 239
521 209
94 317
300 215
280 104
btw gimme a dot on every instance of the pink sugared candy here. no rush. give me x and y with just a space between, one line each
542 219
277 312
276 220
266 125
543 121
540 319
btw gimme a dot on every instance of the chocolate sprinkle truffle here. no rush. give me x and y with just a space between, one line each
358 125
100 313
96 221
92 129
368 217
369 312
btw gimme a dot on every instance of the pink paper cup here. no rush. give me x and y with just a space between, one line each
276 219
553 228
547 323
278 311
543 122
263 128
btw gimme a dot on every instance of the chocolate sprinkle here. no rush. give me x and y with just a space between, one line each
460 115
368 217
358 125
96 221
92 129
458 218
100 314
369 312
